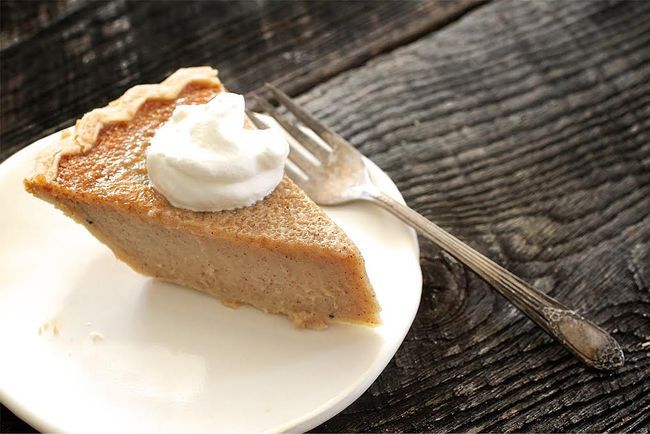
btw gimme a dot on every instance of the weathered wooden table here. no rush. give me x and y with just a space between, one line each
522 127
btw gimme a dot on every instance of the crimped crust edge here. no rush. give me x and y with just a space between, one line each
123 109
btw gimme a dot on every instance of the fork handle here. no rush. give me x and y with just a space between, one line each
591 344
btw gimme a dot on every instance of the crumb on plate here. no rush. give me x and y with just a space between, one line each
49 326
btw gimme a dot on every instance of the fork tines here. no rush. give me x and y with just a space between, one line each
305 145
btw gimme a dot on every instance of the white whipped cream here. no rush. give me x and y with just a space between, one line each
203 159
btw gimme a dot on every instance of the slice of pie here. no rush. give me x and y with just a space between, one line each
281 255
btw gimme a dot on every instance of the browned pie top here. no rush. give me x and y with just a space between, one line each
113 171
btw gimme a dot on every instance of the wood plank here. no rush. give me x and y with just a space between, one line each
93 52
524 128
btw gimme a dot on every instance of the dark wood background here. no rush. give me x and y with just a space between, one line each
523 127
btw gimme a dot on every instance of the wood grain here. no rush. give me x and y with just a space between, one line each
20 19
524 129
95 50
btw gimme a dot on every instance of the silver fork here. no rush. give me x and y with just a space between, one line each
338 174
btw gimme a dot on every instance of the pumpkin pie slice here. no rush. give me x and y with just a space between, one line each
281 255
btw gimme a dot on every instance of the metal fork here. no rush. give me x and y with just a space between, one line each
338 174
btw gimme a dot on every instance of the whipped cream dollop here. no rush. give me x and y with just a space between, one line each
203 159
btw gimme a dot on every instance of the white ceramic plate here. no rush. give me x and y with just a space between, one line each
173 359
